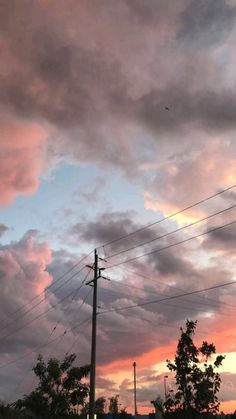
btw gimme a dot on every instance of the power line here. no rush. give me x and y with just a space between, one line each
216 305
71 346
171 232
73 297
167 298
42 314
50 286
41 301
172 245
181 308
163 324
168 216
45 344
155 281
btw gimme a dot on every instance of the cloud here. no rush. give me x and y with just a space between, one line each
222 240
207 23
23 277
191 178
22 158
25 267
129 87
228 386
104 95
3 229
105 384
24 280
163 274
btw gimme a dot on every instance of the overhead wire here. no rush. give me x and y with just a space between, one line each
179 308
73 298
45 344
171 232
40 315
207 301
155 281
137 257
146 292
162 324
40 302
167 298
168 216
50 286
171 245
68 351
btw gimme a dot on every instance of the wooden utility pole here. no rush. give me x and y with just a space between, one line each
94 335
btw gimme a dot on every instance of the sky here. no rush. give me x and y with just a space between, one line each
115 115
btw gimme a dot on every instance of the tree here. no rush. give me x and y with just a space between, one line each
7 412
158 405
123 414
99 407
59 389
196 379
113 406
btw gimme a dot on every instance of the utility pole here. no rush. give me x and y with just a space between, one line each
94 335
135 398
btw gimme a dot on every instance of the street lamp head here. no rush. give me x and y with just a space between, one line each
134 364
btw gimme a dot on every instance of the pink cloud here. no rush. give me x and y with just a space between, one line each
22 148
191 178
23 268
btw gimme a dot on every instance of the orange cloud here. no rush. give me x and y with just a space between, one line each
22 148
145 360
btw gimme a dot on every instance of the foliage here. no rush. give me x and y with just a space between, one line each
113 406
123 414
196 379
6 412
99 407
59 389
158 404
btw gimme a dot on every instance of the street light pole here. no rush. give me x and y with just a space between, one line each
135 398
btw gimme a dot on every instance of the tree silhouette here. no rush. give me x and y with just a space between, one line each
59 389
99 407
113 406
158 404
196 379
